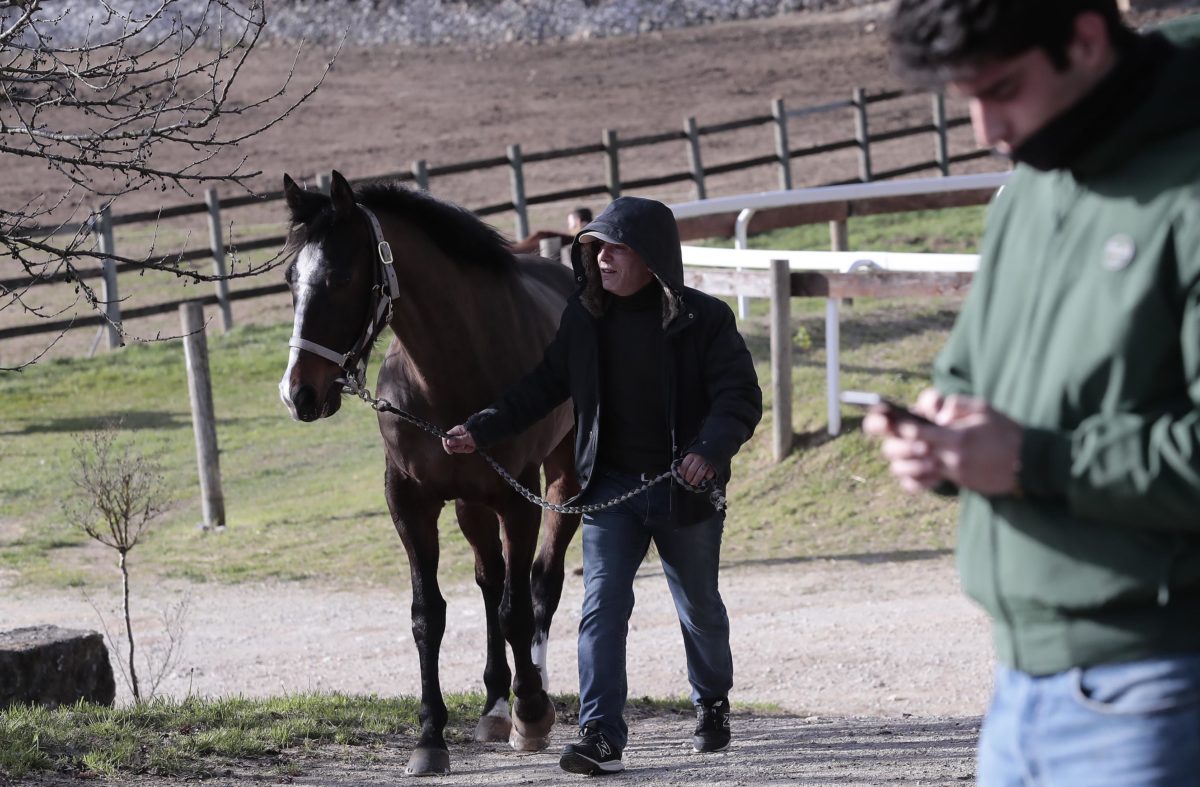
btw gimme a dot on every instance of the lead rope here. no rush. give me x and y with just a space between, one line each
383 405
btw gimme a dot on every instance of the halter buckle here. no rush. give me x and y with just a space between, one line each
385 252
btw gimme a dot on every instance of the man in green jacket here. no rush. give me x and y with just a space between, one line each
1066 405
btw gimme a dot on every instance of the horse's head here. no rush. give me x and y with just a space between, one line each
331 276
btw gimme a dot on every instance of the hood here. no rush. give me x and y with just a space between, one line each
1170 108
646 226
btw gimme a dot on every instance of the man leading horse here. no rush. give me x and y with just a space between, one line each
658 375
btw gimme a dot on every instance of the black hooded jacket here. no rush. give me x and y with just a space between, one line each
714 401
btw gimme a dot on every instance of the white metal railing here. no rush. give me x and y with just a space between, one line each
838 261
742 258
854 191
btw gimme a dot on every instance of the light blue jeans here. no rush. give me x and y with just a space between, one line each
1135 724
614 543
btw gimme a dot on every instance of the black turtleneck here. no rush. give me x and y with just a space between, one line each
1064 142
634 434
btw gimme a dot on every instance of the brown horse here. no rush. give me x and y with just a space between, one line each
469 319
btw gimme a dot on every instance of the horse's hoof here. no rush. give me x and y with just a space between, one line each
539 728
520 743
493 729
428 762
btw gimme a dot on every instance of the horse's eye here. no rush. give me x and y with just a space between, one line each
289 273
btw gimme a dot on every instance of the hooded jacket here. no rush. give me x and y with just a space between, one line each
1083 325
713 398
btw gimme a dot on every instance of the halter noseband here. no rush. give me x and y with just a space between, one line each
386 289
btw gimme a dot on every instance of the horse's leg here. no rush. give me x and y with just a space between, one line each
533 713
482 530
548 570
415 516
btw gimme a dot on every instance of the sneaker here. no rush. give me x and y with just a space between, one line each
593 755
712 725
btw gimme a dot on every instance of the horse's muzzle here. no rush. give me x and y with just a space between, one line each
309 407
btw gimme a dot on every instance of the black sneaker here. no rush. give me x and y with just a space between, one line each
593 755
712 725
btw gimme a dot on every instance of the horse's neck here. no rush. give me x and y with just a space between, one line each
452 321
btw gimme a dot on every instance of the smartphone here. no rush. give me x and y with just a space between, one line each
893 410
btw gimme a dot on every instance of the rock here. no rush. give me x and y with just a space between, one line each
52 666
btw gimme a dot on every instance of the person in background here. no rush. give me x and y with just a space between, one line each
659 376
1066 403
532 245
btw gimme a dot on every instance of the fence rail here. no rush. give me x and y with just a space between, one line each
421 172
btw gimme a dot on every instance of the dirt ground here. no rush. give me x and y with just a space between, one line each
876 667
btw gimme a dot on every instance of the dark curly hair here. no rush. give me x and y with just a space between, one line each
930 36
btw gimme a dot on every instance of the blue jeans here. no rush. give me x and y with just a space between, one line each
614 542
1135 724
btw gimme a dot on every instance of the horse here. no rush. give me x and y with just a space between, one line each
468 318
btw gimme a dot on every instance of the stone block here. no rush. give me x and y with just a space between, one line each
52 666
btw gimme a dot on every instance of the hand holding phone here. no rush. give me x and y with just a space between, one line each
894 411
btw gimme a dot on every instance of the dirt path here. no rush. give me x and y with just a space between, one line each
880 668
823 637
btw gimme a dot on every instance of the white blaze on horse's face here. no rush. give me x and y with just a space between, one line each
309 263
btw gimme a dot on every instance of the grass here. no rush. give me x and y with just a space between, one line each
304 501
194 737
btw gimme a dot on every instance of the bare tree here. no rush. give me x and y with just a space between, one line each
119 495
110 100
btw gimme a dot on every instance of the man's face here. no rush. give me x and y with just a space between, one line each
622 270
1013 98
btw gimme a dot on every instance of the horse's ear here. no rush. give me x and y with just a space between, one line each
342 195
303 205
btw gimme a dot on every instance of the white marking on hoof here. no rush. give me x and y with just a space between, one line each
499 710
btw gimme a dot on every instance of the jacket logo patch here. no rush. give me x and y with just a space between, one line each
1119 251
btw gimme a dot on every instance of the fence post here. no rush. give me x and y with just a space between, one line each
518 191
939 124
782 151
612 160
108 268
420 171
833 381
204 424
217 243
838 241
861 134
781 358
693 143
324 183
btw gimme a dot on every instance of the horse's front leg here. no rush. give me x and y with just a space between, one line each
482 530
533 713
548 570
415 516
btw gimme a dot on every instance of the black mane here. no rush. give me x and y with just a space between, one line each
455 230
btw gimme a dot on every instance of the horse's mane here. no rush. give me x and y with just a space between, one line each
455 230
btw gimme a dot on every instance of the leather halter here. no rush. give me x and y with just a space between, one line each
386 289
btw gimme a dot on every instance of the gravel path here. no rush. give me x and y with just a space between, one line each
824 637
879 666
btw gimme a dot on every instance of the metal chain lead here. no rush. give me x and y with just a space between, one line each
383 405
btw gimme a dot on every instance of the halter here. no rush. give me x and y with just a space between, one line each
386 289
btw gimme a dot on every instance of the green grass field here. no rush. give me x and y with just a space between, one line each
304 501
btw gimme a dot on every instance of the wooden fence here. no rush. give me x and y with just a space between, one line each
421 173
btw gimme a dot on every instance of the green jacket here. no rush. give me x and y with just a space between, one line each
1083 324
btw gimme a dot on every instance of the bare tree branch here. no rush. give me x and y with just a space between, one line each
109 112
